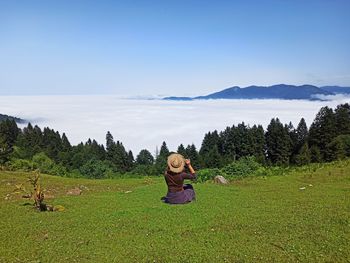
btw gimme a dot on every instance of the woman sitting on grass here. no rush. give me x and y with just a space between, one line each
178 193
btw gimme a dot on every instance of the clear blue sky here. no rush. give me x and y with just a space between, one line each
170 47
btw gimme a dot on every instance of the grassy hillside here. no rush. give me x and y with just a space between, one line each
271 219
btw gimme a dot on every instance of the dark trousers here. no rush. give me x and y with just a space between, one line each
188 186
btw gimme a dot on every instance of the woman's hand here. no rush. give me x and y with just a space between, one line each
188 163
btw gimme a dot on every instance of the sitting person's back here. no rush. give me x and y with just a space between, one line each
178 193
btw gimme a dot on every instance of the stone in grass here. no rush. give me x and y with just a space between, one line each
219 179
74 191
58 208
55 208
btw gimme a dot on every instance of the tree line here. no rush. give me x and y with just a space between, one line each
327 139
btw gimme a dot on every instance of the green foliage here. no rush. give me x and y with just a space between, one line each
192 154
304 155
144 158
207 174
302 133
96 169
161 159
278 143
339 147
212 158
258 143
209 152
322 131
249 167
8 134
4 117
40 162
342 119
144 169
43 162
117 155
45 165
246 166
315 154
181 150
328 140
21 165
242 168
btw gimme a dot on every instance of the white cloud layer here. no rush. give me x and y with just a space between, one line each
143 124
336 97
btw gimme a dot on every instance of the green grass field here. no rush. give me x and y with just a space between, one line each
252 220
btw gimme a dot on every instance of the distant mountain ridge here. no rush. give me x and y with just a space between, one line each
7 117
280 91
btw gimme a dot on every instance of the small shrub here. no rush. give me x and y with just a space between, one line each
242 168
207 174
22 165
48 166
142 169
96 169
58 169
43 162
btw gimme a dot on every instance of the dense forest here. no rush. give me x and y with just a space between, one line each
7 117
31 148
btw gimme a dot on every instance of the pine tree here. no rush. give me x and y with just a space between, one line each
144 158
130 161
207 143
210 142
52 143
109 141
110 147
315 154
8 135
227 147
161 161
181 150
243 141
65 156
117 154
212 159
97 150
303 157
258 144
322 131
292 132
339 147
342 119
278 143
164 151
29 142
301 133
65 143
120 157
192 154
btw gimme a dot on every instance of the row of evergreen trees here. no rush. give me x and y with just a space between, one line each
327 139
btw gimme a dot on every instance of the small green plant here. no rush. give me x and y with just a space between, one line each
242 168
207 174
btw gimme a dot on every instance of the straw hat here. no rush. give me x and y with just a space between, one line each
176 162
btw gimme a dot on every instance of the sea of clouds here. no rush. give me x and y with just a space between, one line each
145 124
